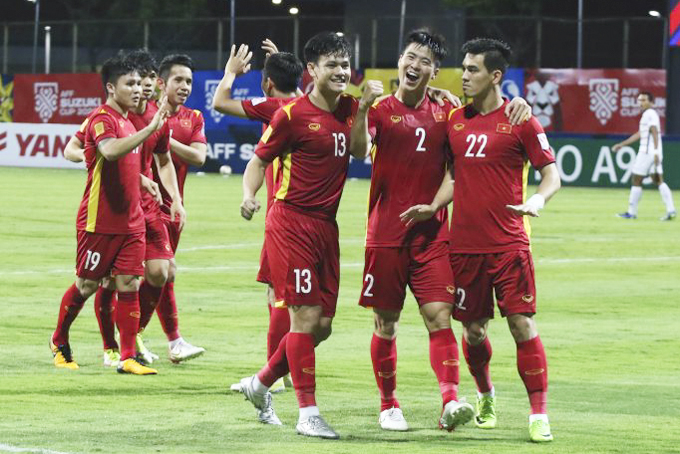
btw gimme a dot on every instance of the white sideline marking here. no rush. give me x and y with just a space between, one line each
10 448
190 269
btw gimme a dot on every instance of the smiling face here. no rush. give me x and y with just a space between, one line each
416 67
331 73
127 90
178 86
477 80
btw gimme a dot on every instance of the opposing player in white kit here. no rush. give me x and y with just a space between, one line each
648 160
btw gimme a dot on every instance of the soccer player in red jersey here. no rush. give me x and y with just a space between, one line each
489 242
408 134
110 220
188 146
311 137
281 76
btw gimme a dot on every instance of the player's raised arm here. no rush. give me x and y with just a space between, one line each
423 212
360 139
238 63
74 150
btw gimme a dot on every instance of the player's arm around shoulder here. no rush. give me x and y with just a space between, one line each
360 138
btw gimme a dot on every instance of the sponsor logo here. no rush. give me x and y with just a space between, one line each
185 123
395 118
439 117
503 128
121 123
256 101
167 247
604 97
135 314
543 140
314 126
308 370
3 140
451 289
387 374
538 371
510 89
543 98
46 94
451 362
528 298
209 93
458 126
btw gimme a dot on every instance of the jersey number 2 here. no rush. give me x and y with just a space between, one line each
420 132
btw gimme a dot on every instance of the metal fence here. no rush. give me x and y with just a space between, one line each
538 42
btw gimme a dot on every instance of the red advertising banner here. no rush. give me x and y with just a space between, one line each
56 98
593 101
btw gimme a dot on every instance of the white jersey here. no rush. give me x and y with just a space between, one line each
650 118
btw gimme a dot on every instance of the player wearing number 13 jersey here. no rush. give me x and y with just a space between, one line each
490 233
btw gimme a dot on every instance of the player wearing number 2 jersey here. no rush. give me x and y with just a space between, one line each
489 232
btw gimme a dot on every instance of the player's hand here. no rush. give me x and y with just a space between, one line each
372 90
417 213
617 147
438 95
239 61
152 188
523 210
269 48
161 115
178 212
249 207
518 111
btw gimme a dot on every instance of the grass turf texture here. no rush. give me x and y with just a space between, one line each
608 316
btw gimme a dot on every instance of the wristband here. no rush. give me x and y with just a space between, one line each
536 201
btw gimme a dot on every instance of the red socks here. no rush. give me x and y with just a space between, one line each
384 357
300 353
444 362
533 369
167 312
279 325
478 357
127 319
148 300
276 367
104 305
71 304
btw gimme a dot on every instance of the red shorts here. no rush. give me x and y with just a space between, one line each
157 241
426 270
100 255
509 274
264 274
173 232
304 259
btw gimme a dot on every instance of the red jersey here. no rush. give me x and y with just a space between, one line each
263 109
186 126
491 167
313 147
111 202
409 158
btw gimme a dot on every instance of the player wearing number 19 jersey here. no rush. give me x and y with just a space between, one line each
490 250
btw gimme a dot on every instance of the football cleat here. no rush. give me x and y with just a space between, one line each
486 412
267 415
455 414
184 351
393 419
315 426
261 402
539 431
148 355
627 215
669 216
63 358
111 357
132 366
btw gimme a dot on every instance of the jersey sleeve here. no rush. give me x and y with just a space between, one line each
102 127
198 128
260 109
535 144
80 134
276 139
374 119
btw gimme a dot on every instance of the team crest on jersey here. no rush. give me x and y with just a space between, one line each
459 126
528 298
504 128
314 126
451 289
439 117
395 118
185 123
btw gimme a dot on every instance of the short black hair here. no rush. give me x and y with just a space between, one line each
433 41
326 43
171 60
496 53
285 70
143 61
649 95
115 67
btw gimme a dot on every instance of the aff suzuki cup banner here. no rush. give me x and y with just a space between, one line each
593 101
56 98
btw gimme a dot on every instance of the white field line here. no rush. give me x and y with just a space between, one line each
191 269
9 448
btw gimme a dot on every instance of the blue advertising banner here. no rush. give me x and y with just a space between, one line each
513 83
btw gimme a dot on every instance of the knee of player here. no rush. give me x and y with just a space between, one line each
157 275
386 327
86 287
522 327
126 283
475 333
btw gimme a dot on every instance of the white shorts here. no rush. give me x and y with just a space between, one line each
644 165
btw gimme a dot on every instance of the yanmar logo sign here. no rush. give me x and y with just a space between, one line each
35 145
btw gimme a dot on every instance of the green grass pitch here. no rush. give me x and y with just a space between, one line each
609 316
